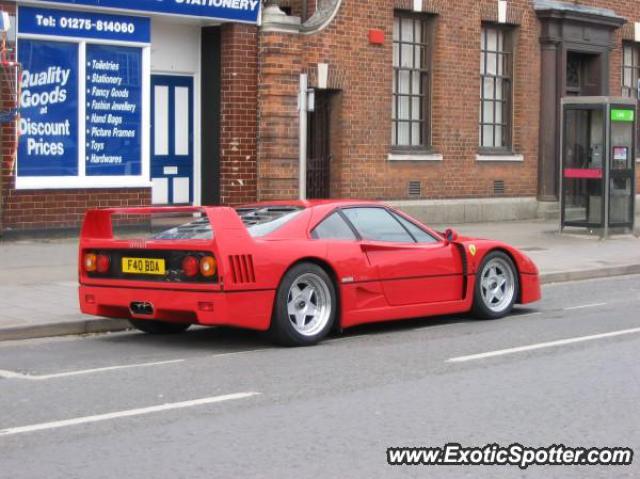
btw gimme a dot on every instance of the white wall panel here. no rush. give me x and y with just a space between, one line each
175 47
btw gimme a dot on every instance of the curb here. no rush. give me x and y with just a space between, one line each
580 275
67 328
105 325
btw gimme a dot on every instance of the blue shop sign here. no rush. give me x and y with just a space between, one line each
235 10
114 116
72 23
49 108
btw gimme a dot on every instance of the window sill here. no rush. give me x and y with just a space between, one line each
414 157
80 182
500 157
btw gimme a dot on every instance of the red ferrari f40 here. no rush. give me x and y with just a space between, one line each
296 269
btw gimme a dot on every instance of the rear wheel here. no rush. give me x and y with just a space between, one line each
305 307
496 286
158 327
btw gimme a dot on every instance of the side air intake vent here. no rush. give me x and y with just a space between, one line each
242 268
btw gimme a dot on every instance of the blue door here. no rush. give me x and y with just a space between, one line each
171 140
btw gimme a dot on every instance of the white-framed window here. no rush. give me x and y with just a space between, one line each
496 95
411 109
631 74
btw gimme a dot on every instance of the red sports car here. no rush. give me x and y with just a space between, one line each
297 269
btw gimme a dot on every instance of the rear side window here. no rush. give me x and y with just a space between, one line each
196 230
377 224
417 232
333 228
259 222
265 220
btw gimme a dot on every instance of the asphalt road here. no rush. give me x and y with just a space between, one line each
219 403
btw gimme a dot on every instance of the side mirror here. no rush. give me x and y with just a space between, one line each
451 235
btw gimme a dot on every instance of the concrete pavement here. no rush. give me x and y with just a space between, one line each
38 278
331 410
38 291
572 255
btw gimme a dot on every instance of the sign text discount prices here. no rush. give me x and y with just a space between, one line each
49 105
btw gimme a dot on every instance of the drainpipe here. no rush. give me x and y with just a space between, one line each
302 107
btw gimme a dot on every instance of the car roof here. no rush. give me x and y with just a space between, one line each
312 203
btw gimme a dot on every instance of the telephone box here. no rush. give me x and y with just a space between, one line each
597 174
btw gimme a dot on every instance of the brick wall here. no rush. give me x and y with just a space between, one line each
7 133
259 118
630 9
280 66
238 122
361 168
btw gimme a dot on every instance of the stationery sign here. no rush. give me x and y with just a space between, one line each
49 108
114 117
72 23
246 11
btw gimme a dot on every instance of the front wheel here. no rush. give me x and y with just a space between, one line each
158 327
496 287
305 306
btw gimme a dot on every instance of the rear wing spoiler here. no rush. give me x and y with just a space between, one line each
98 223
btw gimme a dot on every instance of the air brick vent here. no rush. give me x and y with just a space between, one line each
498 187
415 189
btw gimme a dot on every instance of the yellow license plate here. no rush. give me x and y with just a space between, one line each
143 266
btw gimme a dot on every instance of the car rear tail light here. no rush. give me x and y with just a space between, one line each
90 261
190 266
208 266
103 263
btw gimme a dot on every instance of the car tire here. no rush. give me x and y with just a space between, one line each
150 326
305 307
496 288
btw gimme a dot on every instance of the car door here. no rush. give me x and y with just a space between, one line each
412 266
343 247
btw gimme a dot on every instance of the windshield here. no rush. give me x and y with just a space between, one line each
259 222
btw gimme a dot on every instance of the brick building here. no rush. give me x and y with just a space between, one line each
450 109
